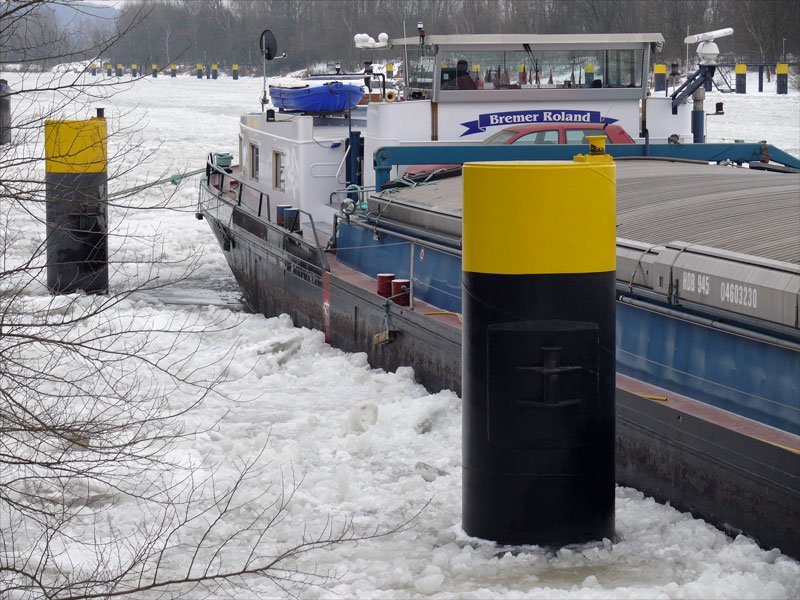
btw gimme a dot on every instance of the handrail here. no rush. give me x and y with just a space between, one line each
320 250
389 156
212 169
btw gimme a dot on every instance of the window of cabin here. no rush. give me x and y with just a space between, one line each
278 168
254 161
516 69
420 75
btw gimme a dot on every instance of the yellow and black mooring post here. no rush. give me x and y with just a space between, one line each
94 69
235 70
199 71
659 77
154 69
213 71
5 112
134 70
173 71
782 83
741 78
108 69
118 72
588 75
77 226
538 366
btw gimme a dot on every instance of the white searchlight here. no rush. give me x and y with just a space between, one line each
707 50
365 41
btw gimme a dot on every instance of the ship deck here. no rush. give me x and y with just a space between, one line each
660 201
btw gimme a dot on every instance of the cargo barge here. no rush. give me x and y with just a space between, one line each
708 258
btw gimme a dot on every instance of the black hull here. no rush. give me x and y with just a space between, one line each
737 482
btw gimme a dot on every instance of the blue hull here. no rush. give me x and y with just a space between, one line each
755 380
326 98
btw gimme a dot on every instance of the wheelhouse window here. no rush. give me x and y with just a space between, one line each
541 69
254 162
420 76
278 167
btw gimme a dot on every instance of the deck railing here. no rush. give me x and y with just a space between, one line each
233 191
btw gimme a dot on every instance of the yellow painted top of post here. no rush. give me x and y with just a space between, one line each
76 146
588 68
173 67
134 66
235 67
741 68
782 68
541 217
660 69
154 66
199 66
213 66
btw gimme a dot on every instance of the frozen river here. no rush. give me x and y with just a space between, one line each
369 446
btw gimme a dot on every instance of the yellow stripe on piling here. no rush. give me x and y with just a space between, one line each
741 68
75 146
526 202
783 69
588 69
660 69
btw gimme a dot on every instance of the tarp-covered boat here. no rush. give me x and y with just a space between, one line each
333 96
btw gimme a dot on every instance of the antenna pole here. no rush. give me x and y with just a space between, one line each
405 64
264 81
687 50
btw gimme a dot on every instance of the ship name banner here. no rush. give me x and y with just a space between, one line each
518 117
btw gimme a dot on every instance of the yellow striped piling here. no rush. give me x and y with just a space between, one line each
782 83
77 229
741 78
538 350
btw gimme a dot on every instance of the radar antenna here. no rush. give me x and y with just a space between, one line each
707 52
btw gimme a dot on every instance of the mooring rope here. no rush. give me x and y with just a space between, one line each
173 179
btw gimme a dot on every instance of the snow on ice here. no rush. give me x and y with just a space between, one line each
368 445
